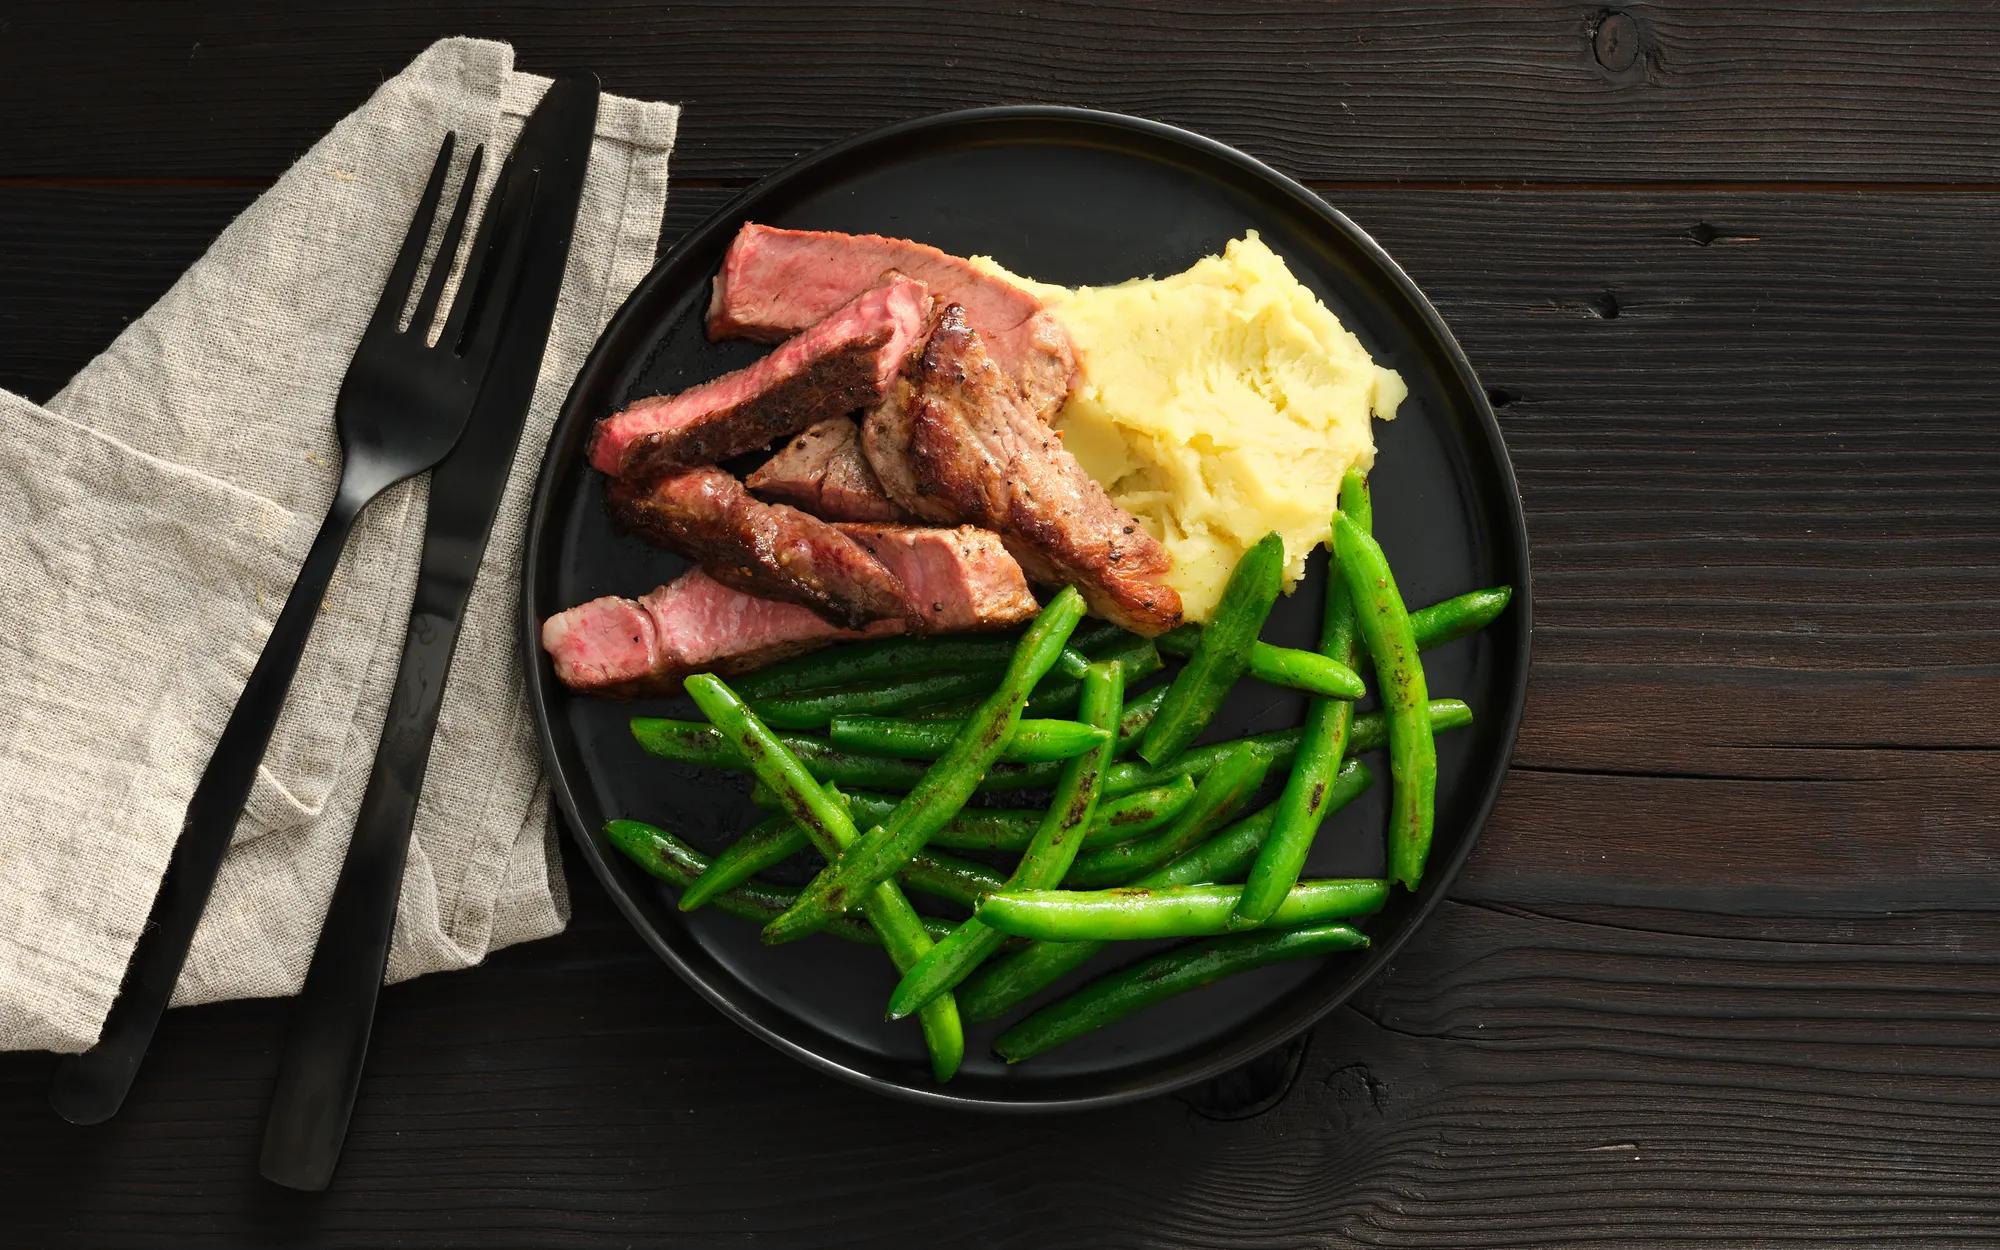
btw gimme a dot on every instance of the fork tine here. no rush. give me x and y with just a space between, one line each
396 291
471 279
447 253
511 206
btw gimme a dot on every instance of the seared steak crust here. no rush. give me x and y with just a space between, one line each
841 363
767 549
973 446
823 471
885 443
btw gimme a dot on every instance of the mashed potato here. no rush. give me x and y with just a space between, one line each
1217 405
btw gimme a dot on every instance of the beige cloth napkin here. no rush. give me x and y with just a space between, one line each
152 518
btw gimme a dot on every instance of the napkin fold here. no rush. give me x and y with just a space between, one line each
152 518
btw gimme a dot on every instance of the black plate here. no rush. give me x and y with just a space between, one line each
1074 197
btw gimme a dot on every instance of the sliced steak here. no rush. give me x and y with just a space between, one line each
764 548
628 647
958 579
974 445
844 361
885 443
775 282
625 647
824 472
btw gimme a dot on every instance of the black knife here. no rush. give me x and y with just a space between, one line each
328 1042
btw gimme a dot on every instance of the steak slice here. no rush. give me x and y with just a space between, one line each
775 282
973 444
767 549
824 472
844 361
629 647
958 579
625 647
885 443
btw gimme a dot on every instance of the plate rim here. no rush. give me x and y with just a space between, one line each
1228 1053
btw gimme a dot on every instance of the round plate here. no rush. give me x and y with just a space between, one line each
1074 197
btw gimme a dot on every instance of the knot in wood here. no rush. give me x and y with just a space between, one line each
1616 42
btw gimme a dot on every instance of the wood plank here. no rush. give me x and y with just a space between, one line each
1521 1077
1460 91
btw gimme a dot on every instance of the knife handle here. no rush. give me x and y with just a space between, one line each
90 1087
327 1045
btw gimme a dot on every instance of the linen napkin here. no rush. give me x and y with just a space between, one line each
152 518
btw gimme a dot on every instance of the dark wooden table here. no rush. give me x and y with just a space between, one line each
1725 970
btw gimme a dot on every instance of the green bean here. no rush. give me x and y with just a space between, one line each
691 742
1139 811
768 842
1045 861
1010 829
1322 742
1139 713
1228 855
1221 654
1138 656
1096 639
1281 746
1455 618
998 987
1440 623
945 787
1279 666
1129 775
1224 790
814 708
1433 627
1118 994
826 822
1033 739
920 688
860 663
1357 501
950 878
1385 627
1135 913
778 839
672 860
1056 695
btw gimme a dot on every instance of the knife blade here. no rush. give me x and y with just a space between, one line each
327 1044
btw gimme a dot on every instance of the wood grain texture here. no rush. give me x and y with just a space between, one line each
1434 92
1575 1077
1725 969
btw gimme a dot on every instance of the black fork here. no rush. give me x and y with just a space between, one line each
401 407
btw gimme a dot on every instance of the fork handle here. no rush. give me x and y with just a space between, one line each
326 1044
89 1088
